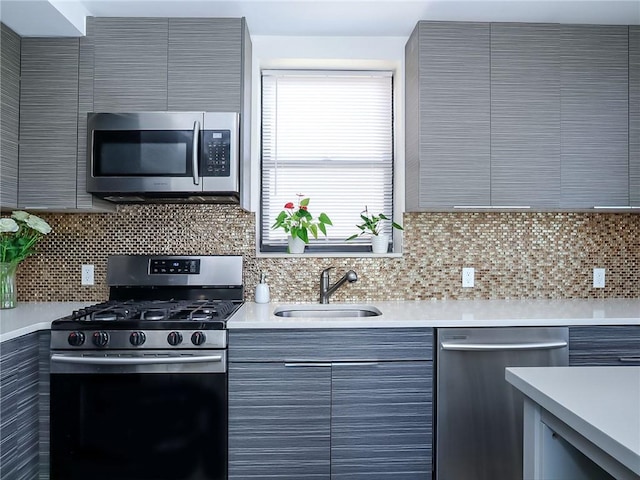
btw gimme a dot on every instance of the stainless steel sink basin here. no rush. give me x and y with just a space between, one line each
327 311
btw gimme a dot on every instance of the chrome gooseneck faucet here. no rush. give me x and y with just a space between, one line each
326 290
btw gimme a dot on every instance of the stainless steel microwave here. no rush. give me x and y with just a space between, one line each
164 156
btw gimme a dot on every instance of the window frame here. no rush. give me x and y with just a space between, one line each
361 249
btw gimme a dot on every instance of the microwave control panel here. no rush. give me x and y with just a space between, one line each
216 153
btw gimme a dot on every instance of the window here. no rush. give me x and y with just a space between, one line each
329 136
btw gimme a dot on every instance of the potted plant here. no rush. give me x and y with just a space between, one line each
297 221
18 237
372 225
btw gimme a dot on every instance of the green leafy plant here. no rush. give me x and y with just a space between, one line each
298 222
19 235
371 224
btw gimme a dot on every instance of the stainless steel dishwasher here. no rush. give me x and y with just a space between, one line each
478 414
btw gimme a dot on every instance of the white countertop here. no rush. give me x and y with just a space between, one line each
600 403
28 317
455 313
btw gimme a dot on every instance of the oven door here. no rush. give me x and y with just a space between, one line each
154 152
139 416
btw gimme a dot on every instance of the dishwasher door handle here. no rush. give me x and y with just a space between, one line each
633 359
494 347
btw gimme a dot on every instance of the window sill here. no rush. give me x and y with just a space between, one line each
328 255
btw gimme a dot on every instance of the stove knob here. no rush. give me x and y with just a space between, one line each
100 339
76 339
198 338
137 338
174 338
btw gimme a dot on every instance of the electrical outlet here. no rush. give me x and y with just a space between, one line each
598 278
468 274
87 275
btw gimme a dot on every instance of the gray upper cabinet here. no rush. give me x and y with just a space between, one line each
48 123
634 115
130 64
447 115
9 116
525 115
595 113
205 64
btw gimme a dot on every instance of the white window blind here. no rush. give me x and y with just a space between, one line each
328 136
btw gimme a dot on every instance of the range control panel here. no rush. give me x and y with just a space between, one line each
174 266
216 153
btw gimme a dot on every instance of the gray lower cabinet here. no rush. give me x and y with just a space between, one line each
634 115
279 421
595 114
20 413
48 123
9 115
604 345
330 404
381 420
448 115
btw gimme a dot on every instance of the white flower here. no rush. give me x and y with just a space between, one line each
38 224
8 225
20 215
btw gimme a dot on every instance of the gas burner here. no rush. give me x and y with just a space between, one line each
153 314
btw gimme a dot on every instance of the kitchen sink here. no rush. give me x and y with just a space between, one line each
327 311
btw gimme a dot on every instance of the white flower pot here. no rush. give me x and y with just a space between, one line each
380 243
295 245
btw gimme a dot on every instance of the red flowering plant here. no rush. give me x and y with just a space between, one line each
298 222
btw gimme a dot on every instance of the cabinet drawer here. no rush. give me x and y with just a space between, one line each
612 345
330 345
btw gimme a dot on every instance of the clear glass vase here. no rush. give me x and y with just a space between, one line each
8 292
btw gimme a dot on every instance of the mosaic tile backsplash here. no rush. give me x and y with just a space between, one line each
515 255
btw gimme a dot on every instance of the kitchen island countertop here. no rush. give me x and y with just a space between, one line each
601 404
28 317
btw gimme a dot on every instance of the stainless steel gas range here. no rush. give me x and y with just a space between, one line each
139 383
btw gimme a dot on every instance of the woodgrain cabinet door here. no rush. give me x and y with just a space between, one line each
48 123
448 115
279 421
9 115
205 64
130 64
525 115
604 345
594 120
634 115
381 420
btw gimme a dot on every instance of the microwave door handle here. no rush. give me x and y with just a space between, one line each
196 137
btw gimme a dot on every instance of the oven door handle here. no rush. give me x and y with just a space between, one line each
85 360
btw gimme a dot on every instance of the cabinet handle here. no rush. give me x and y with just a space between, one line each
357 364
629 359
306 364
494 207
613 207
